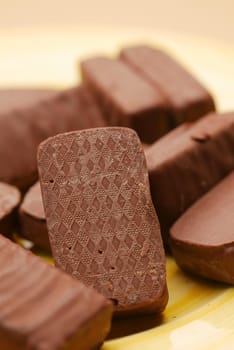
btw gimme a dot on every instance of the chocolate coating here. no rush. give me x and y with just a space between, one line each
126 98
165 140
188 99
102 224
21 131
202 239
11 99
190 165
9 202
43 308
32 218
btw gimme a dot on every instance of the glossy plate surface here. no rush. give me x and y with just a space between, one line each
200 314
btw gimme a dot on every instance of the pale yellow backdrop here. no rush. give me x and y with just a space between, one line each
41 41
204 17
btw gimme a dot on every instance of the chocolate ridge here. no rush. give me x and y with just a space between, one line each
188 99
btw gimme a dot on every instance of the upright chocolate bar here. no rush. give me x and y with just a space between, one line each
9 202
188 166
32 218
202 239
102 224
43 308
188 99
21 131
126 98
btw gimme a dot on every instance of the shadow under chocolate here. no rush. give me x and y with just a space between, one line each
122 327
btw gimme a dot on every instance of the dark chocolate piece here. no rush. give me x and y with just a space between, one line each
186 167
126 98
188 99
202 239
9 202
102 225
43 308
32 218
22 131
11 99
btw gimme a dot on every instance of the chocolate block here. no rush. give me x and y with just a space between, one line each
188 99
43 308
21 131
9 201
11 99
202 239
102 225
32 218
164 141
190 165
126 98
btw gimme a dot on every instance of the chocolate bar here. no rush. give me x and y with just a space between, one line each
126 98
32 218
188 99
21 131
163 141
9 202
102 225
43 308
202 239
11 99
190 165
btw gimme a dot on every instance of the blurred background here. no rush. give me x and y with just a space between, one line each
41 41
212 18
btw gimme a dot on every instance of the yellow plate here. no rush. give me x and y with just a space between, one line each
200 314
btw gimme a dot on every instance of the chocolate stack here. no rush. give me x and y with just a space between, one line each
93 208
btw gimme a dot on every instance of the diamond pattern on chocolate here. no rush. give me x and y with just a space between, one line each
105 183
116 243
99 144
78 248
121 200
129 241
59 209
103 209
117 180
111 143
75 227
90 165
74 147
86 145
102 245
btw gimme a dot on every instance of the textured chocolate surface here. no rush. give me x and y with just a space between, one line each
9 201
202 239
190 165
32 218
102 224
43 308
188 99
126 98
21 131
11 99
